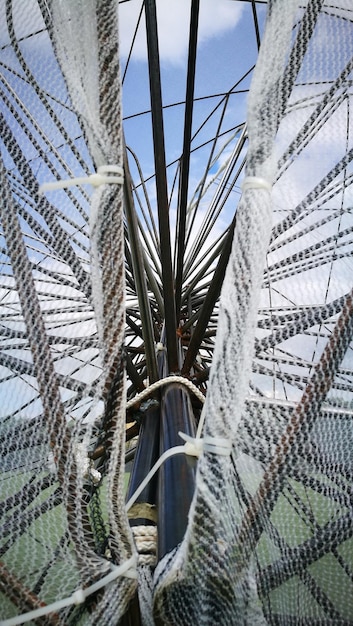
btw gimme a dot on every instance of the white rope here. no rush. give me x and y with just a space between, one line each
253 182
146 543
104 174
127 569
161 383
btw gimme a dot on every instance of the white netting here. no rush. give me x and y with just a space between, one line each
64 526
269 531
84 296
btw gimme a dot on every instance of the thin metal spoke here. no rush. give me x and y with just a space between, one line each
161 183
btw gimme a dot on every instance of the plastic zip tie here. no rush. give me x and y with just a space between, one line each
255 182
127 569
104 174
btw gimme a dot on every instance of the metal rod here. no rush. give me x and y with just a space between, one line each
294 324
305 414
256 24
161 183
209 302
153 233
185 159
133 374
147 453
139 276
22 597
328 537
202 184
218 201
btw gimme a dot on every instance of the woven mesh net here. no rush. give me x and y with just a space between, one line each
88 313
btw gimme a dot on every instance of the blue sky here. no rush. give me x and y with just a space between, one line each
227 49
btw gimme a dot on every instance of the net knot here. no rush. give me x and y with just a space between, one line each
104 174
194 446
255 182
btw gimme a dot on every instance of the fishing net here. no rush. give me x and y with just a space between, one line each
269 534
87 315
64 526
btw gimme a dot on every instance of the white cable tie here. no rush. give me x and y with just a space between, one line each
217 445
166 455
104 174
128 569
254 182
194 446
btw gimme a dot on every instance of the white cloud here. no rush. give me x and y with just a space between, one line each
216 17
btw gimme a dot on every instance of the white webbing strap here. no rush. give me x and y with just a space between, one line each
127 569
104 174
